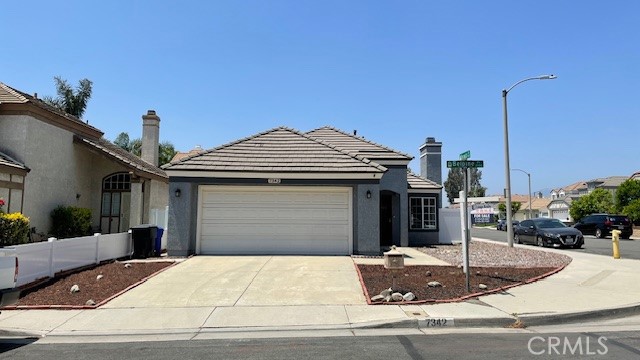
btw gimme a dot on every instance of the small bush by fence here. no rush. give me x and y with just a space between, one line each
70 221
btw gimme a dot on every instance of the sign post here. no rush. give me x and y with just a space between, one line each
465 164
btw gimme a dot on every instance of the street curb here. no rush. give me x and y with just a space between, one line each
580 316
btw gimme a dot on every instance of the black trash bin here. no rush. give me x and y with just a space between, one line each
144 237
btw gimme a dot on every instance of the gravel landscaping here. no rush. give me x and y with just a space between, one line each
494 267
113 278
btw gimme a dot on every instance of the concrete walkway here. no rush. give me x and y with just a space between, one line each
293 293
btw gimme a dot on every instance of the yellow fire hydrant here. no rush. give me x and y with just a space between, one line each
615 238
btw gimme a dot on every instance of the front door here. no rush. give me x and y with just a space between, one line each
386 219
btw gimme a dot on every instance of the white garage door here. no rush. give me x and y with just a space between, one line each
274 220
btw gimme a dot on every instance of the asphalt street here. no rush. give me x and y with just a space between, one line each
609 345
629 249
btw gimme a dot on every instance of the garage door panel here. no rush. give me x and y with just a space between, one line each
286 220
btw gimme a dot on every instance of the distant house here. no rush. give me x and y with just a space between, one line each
283 191
563 197
539 208
49 158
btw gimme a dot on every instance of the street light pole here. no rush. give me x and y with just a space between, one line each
529 176
507 171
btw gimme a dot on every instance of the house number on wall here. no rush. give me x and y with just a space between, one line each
274 181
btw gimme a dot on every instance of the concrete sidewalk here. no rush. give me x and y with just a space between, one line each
591 287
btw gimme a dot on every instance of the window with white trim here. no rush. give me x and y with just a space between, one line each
423 212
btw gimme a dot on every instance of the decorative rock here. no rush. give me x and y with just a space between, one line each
428 273
75 289
90 302
377 298
387 298
478 273
397 297
99 277
433 284
127 265
408 296
386 293
483 287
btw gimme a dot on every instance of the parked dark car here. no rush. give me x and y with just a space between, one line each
601 225
502 224
548 232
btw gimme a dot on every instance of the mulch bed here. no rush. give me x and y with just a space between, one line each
115 278
376 278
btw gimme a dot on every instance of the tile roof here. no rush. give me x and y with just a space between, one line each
181 155
536 204
418 182
277 150
575 186
10 95
7 160
610 181
357 144
124 157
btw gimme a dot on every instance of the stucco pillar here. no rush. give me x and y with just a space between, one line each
135 217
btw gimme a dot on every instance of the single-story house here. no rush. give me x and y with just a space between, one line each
539 208
283 191
49 158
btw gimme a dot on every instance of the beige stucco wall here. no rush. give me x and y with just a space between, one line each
61 170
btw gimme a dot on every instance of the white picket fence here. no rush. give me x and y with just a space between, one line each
45 259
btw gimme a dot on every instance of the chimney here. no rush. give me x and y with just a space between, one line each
431 160
150 137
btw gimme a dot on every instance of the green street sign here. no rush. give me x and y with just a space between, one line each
465 155
465 163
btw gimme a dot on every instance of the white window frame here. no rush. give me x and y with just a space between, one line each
429 206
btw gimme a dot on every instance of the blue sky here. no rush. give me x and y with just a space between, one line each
400 71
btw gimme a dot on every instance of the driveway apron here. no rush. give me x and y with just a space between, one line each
211 281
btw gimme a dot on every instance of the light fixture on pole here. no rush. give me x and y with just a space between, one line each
529 176
507 171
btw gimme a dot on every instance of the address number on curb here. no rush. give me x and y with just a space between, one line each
437 322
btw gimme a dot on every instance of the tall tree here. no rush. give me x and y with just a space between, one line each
166 150
598 201
455 183
70 100
626 193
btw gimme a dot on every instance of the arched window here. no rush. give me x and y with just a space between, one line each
116 199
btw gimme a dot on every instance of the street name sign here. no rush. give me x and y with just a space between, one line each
465 163
465 155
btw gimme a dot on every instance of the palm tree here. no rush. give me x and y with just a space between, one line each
72 101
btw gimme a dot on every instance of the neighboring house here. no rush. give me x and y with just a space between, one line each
181 155
50 158
539 208
576 189
287 192
12 173
559 207
563 197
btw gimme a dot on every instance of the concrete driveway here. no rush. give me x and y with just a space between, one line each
227 281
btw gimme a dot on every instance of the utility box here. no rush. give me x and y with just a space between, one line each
144 237
393 259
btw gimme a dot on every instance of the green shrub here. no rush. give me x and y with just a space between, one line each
14 229
70 221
